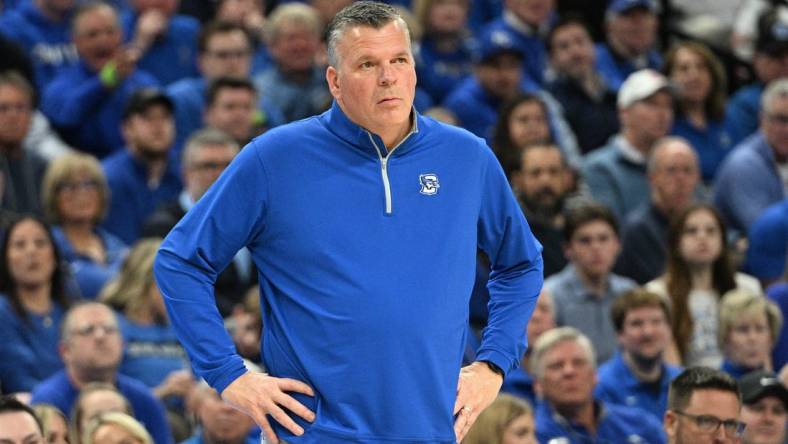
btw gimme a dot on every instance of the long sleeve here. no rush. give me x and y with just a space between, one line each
516 271
201 245
69 100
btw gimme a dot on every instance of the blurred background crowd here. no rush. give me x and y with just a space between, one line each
646 140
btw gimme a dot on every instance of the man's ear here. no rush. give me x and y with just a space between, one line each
670 423
332 77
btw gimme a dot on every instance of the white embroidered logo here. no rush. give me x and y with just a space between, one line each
429 184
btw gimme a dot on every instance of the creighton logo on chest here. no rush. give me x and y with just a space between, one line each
429 184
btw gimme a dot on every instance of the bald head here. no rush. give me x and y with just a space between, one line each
674 172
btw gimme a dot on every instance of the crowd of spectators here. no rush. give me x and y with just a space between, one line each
647 143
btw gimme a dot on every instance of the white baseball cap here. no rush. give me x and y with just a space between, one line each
641 85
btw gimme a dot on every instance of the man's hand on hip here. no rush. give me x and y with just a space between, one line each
477 388
258 395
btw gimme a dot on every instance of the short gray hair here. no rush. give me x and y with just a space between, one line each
363 13
778 88
206 137
553 337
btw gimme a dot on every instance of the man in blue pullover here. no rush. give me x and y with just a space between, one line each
364 223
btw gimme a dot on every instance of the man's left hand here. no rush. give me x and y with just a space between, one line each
477 388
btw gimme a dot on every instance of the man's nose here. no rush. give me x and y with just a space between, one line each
386 76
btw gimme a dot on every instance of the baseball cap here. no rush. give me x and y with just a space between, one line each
621 6
641 85
144 98
773 34
493 43
759 384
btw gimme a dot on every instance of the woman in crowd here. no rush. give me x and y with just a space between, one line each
749 325
153 354
508 420
700 105
116 427
95 399
33 302
698 273
523 121
53 422
444 52
75 196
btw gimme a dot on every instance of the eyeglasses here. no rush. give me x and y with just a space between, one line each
18 107
710 424
72 187
778 118
204 166
90 330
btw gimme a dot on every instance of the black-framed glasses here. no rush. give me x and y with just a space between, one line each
76 185
710 424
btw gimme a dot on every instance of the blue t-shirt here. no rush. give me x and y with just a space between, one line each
29 351
90 275
618 385
152 352
711 144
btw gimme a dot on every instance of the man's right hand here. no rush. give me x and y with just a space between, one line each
258 395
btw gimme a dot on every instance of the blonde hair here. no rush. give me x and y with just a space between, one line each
422 8
60 171
45 413
740 304
553 337
78 410
296 13
493 421
122 420
128 291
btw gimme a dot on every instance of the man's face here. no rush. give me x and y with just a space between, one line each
93 343
765 419
447 16
501 75
15 115
634 31
568 377
650 118
168 7
233 112
19 428
295 48
226 54
151 132
717 404
542 179
593 249
572 51
770 67
774 124
532 12
58 6
644 333
204 167
675 176
221 422
375 81
97 36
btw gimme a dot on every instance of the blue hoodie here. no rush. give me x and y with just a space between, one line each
366 266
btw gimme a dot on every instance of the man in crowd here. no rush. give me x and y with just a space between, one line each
703 408
564 367
616 173
224 50
631 30
231 108
18 423
142 176
166 40
207 153
542 184
92 349
752 177
294 83
589 104
638 376
85 102
765 402
21 170
43 29
673 175
219 421
585 289
331 200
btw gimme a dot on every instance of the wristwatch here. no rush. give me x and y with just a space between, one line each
494 368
